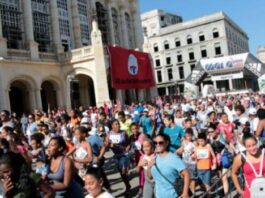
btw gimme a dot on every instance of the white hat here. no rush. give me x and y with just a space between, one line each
146 110
252 111
85 120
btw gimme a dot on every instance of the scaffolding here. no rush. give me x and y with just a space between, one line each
12 23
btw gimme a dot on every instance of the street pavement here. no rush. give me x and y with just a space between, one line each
118 187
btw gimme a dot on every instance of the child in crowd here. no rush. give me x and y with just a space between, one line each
205 160
6 131
42 168
136 140
187 150
148 186
218 145
37 151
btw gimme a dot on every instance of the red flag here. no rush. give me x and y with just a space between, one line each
130 69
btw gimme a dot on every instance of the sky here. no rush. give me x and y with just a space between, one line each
248 14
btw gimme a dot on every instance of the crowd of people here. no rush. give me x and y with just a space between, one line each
176 146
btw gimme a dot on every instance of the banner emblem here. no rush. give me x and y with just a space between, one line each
132 65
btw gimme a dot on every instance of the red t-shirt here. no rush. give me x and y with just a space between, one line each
226 129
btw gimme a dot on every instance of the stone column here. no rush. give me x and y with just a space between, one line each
76 24
3 41
55 27
28 19
32 99
120 96
167 91
38 99
215 85
100 77
147 48
59 97
230 84
6 100
124 31
201 87
112 32
136 18
67 88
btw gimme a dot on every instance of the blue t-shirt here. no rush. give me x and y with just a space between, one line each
175 133
146 123
170 166
96 144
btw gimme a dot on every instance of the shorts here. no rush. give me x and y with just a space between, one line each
122 161
192 170
204 177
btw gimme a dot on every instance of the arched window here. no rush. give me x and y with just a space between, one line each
201 37
166 45
177 42
102 21
129 30
115 21
189 39
156 48
215 33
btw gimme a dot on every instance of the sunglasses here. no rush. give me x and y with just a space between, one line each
210 131
159 143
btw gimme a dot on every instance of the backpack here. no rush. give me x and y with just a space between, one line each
226 159
257 188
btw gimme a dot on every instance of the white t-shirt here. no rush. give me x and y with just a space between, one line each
189 148
179 121
254 124
102 195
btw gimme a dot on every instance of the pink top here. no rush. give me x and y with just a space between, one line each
250 175
227 130
21 149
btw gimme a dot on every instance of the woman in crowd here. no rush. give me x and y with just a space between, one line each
82 152
165 169
61 176
252 162
19 181
118 142
94 184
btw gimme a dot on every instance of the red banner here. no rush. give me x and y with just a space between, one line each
130 69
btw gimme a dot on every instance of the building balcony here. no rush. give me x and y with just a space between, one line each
47 56
77 54
18 54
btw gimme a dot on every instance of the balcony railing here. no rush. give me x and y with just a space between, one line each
47 56
18 54
75 54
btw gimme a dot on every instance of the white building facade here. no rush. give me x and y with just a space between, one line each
261 53
176 48
52 56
